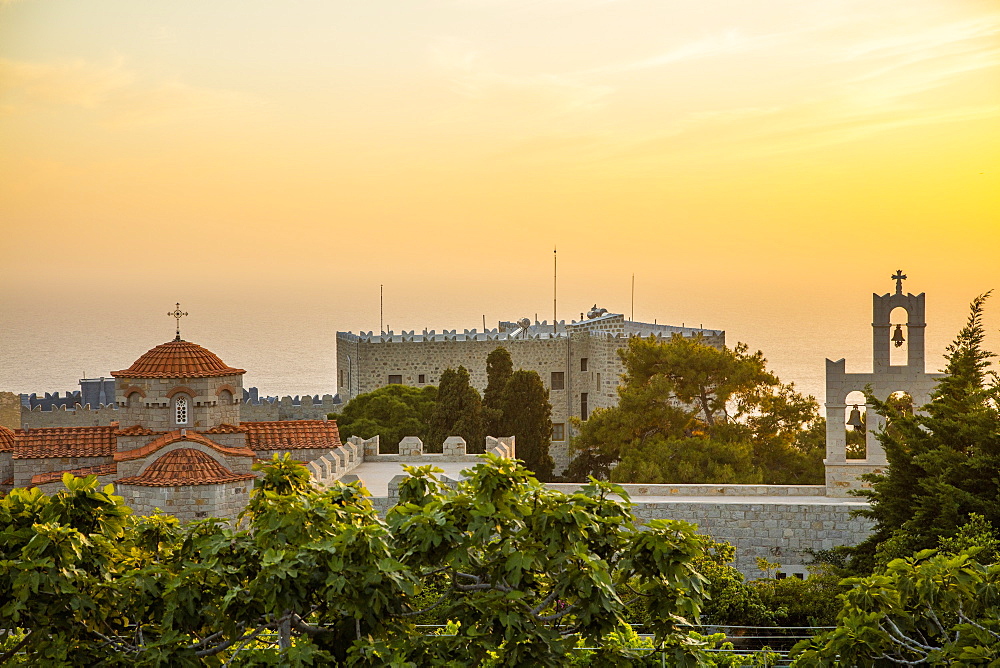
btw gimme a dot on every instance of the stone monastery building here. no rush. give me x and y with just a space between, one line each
577 361
179 443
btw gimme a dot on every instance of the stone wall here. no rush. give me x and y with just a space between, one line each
779 532
79 416
26 469
366 362
10 410
188 503
306 407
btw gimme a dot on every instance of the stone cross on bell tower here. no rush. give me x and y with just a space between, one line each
885 379
899 277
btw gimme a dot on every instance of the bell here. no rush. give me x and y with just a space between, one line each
897 336
855 419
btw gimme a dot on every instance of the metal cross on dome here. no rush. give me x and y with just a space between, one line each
178 313
899 277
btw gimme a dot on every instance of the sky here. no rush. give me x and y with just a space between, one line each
758 167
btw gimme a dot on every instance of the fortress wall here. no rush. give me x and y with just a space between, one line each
778 532
367 362
306 407
78 416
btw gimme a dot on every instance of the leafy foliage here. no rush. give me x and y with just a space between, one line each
391 412
689 413
942 459
929 609
458 412
315 577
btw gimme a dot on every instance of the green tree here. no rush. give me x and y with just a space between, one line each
689 412
527 415
499 369
391 412
929 610
458 412
524 573
942 459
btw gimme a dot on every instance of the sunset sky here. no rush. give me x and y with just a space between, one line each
759 166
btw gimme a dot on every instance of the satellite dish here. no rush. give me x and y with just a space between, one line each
524 323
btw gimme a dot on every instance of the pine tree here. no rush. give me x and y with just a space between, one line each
527 415
943 459
459 412
499 369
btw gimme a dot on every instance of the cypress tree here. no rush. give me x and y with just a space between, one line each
942 459
499 369
527 415
458 412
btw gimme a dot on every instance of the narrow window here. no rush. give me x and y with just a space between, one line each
583 405
341 373
598 381
558 381
395 379
181 410
421 378
583 364
559 432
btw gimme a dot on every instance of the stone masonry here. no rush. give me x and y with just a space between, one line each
578 362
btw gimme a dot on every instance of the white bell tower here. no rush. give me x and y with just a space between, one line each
842 474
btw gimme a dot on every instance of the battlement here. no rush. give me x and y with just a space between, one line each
251 397
539 331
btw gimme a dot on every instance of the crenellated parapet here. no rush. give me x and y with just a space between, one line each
256 408
69 416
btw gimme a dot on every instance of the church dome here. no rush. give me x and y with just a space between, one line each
6 439
178 359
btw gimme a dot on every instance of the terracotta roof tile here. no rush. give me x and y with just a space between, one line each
178 359
65 442
103 469
224 429
292 435
183 467
7 439
137 430
174 437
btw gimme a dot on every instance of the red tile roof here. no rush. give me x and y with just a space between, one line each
178 359
224 429
174 437
103 469
182 467
6 439
137 430
65 442
292 435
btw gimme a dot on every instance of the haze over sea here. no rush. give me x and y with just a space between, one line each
759 167
287 345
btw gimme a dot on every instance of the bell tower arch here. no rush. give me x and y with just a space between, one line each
842 474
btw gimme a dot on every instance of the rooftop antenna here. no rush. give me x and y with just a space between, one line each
178 313
381 327
555 283
632 317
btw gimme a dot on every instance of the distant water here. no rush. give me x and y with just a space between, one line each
290 348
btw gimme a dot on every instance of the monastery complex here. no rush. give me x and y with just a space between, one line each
578 361
180 435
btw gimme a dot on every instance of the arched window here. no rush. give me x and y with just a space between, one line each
225 398
181 410
134 400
